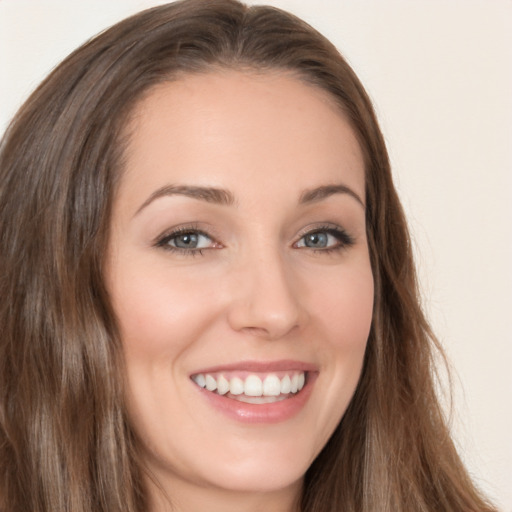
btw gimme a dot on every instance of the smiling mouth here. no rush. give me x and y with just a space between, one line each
253 388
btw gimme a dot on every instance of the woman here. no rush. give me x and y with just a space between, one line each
209 295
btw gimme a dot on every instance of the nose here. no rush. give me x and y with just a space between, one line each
265 299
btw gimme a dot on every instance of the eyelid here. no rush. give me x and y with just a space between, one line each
162 239
345 239
322 226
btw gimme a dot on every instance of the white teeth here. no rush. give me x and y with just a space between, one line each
199 380
295 384
260 399
302 381
271 385
236 386
252 386
211 383
222 385
286 384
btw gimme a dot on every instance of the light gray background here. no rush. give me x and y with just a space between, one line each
440 75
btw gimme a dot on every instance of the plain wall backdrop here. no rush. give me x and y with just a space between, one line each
440 75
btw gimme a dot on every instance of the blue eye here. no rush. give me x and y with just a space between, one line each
190 241
186 241
325 239
317 240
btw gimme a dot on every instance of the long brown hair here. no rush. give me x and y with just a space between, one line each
65 440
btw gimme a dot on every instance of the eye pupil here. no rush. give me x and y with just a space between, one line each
316 240
186 240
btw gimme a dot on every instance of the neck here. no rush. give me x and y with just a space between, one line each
188 497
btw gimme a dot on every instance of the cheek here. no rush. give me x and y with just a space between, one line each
344 307
158 312
161 315
343 313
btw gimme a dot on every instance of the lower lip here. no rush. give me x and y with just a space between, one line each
274 412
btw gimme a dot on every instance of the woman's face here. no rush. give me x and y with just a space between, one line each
239 272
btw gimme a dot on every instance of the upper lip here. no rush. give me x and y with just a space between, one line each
261 367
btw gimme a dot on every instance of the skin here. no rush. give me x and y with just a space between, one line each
255 292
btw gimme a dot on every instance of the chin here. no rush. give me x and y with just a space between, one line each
260 476
242 467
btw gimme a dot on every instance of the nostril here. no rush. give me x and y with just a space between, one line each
256 331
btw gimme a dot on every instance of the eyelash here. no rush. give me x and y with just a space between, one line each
344 240
164 241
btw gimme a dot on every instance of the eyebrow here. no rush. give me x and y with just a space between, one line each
226 198
318 194
208 194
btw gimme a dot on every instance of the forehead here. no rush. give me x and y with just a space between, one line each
242 124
